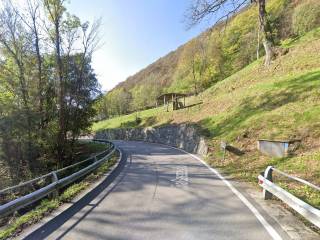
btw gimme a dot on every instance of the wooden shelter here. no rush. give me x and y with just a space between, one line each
167 98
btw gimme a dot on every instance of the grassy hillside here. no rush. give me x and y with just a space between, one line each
279 102
210 57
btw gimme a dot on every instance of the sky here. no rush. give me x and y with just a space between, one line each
134 33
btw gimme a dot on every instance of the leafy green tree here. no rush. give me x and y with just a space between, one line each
223 10
47 85
82 88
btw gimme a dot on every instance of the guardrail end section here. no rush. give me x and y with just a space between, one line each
268 175
54 179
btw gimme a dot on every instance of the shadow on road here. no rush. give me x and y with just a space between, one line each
149 201
48 228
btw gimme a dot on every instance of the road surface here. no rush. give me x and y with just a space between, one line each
161 193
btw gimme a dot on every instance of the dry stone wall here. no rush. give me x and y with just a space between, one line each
182 136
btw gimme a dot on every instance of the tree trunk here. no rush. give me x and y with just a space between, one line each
258 43
267 39
269 52
40 82
25 99
194 78
61 134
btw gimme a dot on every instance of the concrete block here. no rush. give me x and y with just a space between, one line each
275 148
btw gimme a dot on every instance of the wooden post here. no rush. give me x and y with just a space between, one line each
184 101
172 101
223 146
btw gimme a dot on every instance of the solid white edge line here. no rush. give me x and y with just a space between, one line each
273 233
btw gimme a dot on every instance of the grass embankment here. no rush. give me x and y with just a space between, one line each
278 102
18 223
151 117
84 149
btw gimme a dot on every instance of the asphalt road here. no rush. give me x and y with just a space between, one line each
161 193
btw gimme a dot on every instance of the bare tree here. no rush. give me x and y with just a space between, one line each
224 9
89 41
31 18
33 11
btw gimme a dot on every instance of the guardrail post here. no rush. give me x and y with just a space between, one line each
223 146
268 175
54 179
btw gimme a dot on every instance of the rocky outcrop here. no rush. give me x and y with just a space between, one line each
182 136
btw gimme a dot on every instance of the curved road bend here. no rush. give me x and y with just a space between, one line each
160 193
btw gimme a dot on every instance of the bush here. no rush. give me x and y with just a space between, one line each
306 16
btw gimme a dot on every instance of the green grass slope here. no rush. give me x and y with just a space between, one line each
208 58
278 102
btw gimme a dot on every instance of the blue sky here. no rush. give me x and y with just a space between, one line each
135 33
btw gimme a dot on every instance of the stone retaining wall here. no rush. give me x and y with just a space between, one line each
182 136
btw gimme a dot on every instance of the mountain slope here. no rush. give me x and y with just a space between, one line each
279 102
203 61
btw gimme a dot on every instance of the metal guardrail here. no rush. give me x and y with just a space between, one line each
56 184
311 213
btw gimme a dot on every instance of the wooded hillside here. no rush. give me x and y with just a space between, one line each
214 55
47 86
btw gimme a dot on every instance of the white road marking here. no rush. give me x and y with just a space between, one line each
273 233
181 179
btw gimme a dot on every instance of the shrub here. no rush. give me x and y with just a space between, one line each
306 16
